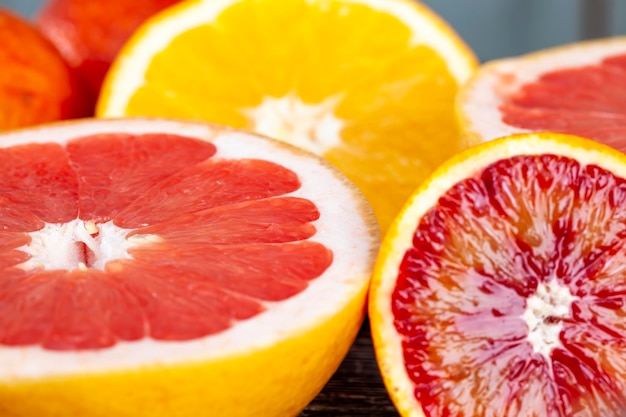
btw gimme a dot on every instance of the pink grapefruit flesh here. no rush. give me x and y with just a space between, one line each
588 101
217 237
511 300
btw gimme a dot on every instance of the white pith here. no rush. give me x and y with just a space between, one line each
56 246
133 62
345 227
544 314
310 126
390 353
480 98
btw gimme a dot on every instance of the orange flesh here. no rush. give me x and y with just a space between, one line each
393 98
480 255
229 239
587 101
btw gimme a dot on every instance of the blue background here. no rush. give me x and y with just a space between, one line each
498 28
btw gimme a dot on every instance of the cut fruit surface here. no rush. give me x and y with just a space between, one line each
499 289
207 271
368 84
576 89
36 85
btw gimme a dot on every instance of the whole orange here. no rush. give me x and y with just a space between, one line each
36 85
90 33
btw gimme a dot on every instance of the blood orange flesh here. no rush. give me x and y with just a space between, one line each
510 300
117 237
588 101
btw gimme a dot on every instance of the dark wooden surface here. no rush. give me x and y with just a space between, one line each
356 389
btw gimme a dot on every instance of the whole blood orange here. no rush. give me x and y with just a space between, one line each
163 268
577 89
90 33
35 83
499 290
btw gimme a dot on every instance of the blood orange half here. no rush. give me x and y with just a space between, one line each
164 268
499 290
576 89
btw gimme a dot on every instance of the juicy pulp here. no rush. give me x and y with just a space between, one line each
588 101
529 244
210 240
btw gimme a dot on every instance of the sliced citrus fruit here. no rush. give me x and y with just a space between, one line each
576 89
36 85
499 290
90 33
164 268
369 84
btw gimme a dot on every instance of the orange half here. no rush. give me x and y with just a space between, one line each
368 84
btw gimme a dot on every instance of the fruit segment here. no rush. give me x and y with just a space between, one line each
146 236
510 301
40 181
210 184
273 220
114 170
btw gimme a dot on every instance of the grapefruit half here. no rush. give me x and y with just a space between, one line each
575 89
167 268
499 289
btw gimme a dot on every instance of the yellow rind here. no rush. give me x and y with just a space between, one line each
254 384
464 65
